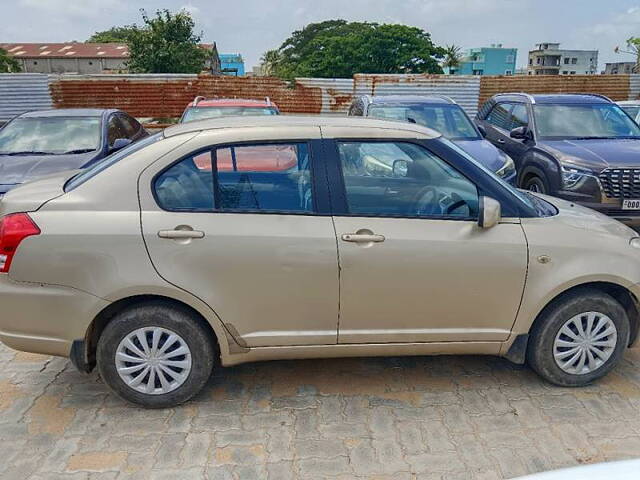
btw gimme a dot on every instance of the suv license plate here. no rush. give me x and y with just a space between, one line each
631 204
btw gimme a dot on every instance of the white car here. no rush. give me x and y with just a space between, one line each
627 470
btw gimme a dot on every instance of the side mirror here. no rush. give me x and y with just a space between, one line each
489 212
400 168
520 133
119 144
482 130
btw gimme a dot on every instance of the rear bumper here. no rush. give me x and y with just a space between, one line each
44 319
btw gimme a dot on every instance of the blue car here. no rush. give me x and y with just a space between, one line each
39 143
440 113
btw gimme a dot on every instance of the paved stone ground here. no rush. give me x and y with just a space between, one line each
477 418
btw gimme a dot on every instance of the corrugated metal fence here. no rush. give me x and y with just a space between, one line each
165 96
22 92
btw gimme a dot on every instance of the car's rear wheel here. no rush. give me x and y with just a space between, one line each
579 338
536 184
156 355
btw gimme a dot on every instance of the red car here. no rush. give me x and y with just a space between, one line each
202 108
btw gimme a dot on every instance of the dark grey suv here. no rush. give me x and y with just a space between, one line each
583 148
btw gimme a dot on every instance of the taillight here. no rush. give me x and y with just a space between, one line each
13 229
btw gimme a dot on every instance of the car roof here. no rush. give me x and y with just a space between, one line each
412 99
564 98
68 112
232 102
286 121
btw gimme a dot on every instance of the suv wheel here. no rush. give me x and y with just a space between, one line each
534 183
156 355
579 338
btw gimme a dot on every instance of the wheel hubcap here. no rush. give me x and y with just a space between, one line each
584 343
153 360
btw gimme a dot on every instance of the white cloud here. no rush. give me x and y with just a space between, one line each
73 8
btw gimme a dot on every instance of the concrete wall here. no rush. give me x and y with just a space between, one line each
71 65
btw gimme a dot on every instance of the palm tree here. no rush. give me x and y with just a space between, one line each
452 57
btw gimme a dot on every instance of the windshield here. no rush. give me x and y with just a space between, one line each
520 194
449 120
50 135
106 162
561 122
202 113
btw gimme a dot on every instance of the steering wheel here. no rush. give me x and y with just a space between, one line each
432 202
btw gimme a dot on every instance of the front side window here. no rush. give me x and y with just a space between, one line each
519 116
448 119
580 121
403 179
255 178
50 135
499 116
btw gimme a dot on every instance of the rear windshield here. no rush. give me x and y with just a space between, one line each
106 162
202 113
50 136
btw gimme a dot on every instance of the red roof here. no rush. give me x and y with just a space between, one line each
66 50
233 102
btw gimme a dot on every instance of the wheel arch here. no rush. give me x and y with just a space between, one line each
85 355
542 165
517 346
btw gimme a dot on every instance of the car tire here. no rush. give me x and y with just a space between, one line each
537 184
556 339
165 342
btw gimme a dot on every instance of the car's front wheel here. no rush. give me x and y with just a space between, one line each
579 338
155 355
536 184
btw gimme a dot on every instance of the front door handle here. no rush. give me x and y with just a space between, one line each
363 238
180 234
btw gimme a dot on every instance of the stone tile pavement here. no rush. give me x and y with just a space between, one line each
453 418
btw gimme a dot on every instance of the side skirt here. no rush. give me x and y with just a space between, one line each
258 354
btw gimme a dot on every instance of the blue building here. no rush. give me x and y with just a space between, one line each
493 60
232 64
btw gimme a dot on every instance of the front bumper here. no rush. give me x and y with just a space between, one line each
612 207
44 319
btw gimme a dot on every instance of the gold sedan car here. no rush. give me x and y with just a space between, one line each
242 239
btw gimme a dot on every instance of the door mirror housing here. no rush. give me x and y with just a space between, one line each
482 130
119 144
490 213
520 133
400 168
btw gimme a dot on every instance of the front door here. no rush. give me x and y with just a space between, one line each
237 226
414 265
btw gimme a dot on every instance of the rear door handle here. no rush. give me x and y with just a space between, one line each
180 234
363 238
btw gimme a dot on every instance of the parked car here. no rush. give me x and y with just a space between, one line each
440 113
40 143
192 266
623 470
582 148
202 108
632 107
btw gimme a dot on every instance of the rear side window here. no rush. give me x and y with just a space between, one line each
253 178
499 116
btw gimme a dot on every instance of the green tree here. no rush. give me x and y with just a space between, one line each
337 48
633 48
452 57
166 44
269 62
113 35
8 64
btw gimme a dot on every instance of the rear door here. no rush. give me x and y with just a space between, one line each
245 227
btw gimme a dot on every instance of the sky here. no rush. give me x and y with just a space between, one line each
251 27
